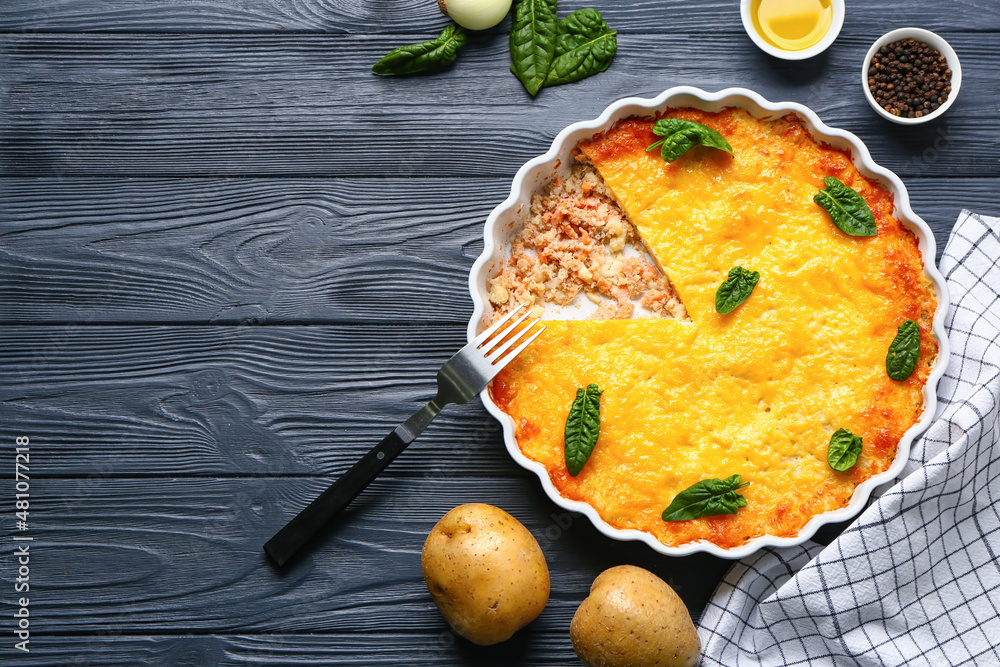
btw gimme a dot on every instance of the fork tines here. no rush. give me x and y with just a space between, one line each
494 342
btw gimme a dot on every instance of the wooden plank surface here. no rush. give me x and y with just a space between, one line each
409 648
210 400
188 560
254 251
354 16
241 250
231 259
186 105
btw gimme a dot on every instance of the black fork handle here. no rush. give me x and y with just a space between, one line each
300 530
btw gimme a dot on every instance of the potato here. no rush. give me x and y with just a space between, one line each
486 573
632 618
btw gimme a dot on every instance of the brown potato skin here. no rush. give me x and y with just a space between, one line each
632 618
486 573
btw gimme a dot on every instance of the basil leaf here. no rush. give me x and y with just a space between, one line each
585 45
904 351
434 54
533 42
844 450
578 28
709 497
847 208
735 289
582 428
680 136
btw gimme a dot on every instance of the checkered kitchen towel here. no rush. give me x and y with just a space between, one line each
915 580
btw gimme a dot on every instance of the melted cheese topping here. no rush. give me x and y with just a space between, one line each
757 392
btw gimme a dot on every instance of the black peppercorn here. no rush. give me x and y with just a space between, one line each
909 78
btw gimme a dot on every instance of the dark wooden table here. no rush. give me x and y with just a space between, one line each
231 259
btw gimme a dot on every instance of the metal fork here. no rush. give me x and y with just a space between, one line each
459 380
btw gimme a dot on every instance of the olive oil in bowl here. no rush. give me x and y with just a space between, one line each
792 25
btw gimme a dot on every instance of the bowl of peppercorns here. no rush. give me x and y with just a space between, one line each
911 76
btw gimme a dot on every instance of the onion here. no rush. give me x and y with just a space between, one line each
475 14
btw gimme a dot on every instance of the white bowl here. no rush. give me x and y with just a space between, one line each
505 221
821 46
934 41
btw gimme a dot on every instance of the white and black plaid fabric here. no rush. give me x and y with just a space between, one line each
915 579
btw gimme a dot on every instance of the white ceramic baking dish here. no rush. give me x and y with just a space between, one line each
505 221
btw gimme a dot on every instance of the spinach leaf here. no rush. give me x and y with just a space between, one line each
680 136
709 497
844 450
582 428
847 208
533 42
904 351
585 45
434 54
735 289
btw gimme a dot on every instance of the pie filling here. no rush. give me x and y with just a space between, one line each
578 250
690 394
